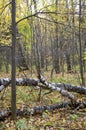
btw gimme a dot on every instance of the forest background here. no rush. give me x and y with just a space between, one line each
50 40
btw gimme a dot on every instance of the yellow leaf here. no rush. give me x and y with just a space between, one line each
9 128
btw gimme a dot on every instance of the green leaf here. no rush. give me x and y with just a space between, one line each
62 128
21 124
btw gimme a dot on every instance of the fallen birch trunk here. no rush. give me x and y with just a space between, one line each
52 86
63 86
4 82
40 109
20 81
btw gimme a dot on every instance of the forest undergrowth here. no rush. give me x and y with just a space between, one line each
28 96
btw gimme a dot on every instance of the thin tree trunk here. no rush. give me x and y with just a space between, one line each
13 91
68 60
37 55
80 45
56 46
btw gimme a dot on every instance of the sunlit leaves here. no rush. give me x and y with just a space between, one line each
22 10
21 124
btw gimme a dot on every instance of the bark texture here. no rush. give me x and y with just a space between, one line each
40 109
4 82
63 89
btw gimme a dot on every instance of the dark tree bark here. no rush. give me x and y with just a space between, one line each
80 46
7 61
56 46
22 58
84 57
46 44
68 61
13 83
26 112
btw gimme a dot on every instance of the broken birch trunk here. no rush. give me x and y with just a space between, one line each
40 109
4 82
63 89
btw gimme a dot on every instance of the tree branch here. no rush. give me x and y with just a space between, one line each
4 7
35 14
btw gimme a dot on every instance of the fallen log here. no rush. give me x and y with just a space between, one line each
40 109
20 81
52 86
4 82
63 86
72 88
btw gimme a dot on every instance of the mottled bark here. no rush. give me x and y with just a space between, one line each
52 86
4 82
40 109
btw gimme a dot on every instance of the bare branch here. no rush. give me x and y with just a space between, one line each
4 7
33 15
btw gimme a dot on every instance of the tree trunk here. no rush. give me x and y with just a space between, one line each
68 60
13 90
56 45
26 112
80 46
36 82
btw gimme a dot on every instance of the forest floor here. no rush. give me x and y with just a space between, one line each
27 96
